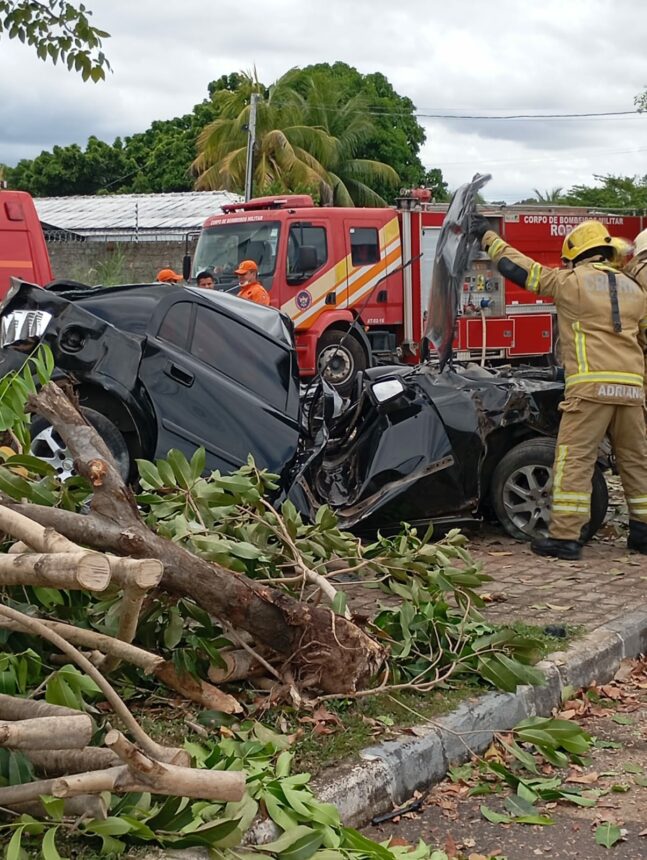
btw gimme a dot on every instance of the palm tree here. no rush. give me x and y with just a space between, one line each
302 141
552 196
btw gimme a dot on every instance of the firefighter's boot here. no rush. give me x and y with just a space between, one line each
637 539
570 550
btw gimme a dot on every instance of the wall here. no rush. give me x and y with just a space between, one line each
115 262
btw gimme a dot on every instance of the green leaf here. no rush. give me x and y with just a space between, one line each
622 720
59 692
48 846
149 475
14 850
517 805
607 834
53 806
339 603
174 628
20 769
304 847
181 468
541 820
355 841
198 462
287 839
494 817
278 813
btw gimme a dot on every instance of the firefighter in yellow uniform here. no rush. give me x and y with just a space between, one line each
636 268
602 319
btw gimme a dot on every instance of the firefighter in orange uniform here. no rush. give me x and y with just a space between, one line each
602 320
250 288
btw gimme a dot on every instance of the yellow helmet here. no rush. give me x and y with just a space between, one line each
584 237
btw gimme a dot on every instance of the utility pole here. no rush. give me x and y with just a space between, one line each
251 142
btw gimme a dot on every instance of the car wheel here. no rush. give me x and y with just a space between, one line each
340 364
48 445
521 488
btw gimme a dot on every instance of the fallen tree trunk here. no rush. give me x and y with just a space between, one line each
46 732
323 650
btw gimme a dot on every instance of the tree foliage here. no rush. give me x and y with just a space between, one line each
307 137
350 137
58 30
611 192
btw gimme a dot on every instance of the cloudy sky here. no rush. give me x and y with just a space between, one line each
457 58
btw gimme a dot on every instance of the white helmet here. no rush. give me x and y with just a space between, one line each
640 243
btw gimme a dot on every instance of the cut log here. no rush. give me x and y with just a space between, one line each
84 806
197 691
42 733
324 650
59 762
239 665
43 539
175 781
15 708
204 694
86 570
132 654
154 749
136 576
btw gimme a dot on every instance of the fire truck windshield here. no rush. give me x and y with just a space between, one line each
222 247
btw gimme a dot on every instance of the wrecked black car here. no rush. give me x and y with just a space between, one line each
160 367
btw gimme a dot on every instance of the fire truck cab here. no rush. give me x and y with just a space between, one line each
326 267
23 252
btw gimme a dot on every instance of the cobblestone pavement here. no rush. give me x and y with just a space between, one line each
543 591
526 587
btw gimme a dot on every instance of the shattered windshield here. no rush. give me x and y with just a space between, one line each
221 248
453 253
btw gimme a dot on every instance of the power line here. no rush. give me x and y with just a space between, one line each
567 153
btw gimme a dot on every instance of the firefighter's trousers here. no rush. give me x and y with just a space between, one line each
582 428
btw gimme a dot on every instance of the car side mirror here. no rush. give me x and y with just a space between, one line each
186 267
387 391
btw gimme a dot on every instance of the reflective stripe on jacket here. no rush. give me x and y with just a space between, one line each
601 363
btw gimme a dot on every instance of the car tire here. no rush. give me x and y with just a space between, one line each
344 362
49 446
527 469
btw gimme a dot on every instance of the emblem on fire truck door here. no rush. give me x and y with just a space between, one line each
303 300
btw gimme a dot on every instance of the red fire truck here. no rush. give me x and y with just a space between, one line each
326 267
23 252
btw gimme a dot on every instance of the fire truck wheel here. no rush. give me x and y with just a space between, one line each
521 486
50 447
340 364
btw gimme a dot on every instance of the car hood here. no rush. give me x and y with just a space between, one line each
454 252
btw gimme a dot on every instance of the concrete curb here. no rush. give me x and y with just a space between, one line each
390 772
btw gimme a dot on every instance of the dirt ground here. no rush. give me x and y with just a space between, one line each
616 715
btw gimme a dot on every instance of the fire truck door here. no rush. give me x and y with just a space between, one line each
365 261
308 293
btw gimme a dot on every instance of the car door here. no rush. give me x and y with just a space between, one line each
217 383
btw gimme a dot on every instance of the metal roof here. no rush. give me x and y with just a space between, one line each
121 213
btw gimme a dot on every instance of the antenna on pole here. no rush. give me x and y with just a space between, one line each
251 141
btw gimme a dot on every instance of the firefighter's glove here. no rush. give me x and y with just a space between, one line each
478 226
